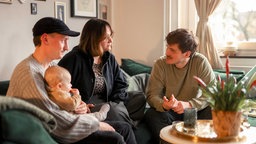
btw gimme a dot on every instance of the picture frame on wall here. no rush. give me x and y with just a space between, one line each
60 11
6 1
84 8
103 12
33 7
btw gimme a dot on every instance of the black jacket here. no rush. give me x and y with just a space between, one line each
79 64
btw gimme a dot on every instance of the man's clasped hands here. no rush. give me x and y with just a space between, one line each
173 104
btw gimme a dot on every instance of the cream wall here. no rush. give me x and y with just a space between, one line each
16 24
139 29
138 26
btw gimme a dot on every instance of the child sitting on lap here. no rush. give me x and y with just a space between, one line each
60 92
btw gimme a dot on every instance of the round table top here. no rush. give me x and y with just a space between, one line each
167 136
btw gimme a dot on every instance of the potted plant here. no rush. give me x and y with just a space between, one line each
226 98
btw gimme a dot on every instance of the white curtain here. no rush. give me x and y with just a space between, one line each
206 46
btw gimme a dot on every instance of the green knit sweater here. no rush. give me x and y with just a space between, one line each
167 79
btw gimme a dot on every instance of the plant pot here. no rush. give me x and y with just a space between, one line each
226 123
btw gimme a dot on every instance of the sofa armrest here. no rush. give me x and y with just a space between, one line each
19 126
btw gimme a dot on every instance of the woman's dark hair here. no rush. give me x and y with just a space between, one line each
93 33
185 39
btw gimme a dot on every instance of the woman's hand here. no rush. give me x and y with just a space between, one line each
83 108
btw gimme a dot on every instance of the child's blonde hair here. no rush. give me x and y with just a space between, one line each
55 74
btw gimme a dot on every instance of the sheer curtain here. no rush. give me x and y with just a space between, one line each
206 46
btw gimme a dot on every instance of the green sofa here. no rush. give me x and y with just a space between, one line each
132 68
137 75
24 123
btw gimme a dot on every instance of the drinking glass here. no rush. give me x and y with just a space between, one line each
190 118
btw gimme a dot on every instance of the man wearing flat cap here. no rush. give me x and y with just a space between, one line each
51 37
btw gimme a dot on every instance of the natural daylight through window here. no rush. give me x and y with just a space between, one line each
233 26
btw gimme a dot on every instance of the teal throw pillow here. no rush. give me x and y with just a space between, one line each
133 68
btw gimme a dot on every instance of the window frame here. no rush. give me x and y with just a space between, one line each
187 17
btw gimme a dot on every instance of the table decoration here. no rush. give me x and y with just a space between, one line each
227 99
204 132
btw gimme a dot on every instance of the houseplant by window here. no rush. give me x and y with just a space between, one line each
226 98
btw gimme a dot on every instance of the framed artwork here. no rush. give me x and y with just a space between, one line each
6 1
33 7
84 8
60 11
103 12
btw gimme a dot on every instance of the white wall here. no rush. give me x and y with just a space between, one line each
16 24
138 26
244 64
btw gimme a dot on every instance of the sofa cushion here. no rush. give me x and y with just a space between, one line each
13 103
236 73
138 82
132 68
22 127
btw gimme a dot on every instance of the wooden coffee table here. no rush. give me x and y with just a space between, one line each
172 134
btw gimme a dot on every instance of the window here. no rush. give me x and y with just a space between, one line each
234 23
